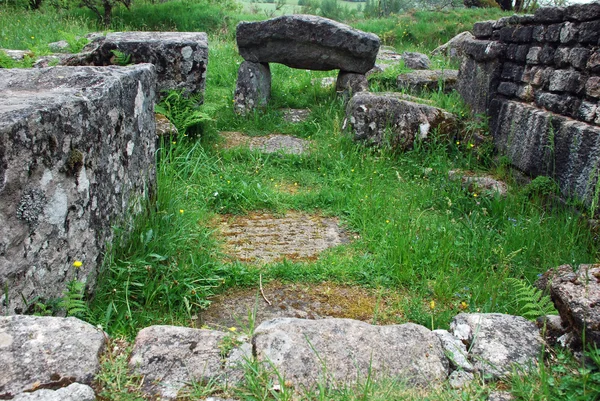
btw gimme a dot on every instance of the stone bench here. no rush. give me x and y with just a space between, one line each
298 41
77 157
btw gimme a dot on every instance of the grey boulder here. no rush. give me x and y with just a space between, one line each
576 295
416 61
335 351
40 351
307 42
455 350
169 357
497 342
73 392
386 119
453 48
253 88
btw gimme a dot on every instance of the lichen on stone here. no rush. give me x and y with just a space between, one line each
31 206
74 162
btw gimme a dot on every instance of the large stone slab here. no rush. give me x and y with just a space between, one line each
73 392
496 342
307 42
342 351
77 157
387 119
540 142
576 295
37 352
454 47
180 58
431 80
169 357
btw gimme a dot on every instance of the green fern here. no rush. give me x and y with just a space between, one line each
120 58
73 302
532 302
184 112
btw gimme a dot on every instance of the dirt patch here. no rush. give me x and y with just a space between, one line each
267 144
264 238
303 300
295 115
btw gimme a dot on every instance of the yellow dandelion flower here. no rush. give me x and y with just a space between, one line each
180 211
458 142
463 305
432 305
77 264
232 329
475 195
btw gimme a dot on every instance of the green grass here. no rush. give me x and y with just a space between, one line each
418 233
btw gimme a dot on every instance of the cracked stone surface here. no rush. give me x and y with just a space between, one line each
264 238
267 144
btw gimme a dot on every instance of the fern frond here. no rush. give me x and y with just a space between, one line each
73 300
531 301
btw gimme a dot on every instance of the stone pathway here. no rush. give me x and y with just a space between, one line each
295 116
264 238
299 300
267 144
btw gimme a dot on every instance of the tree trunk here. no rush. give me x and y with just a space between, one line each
505 5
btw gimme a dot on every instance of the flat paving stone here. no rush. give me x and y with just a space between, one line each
295 115
264 238
299 300
267 144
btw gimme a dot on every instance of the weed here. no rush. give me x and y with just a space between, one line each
120 58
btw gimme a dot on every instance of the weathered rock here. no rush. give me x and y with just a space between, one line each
576 295
351 83
273 143
478 83
431 80
539 142
551 327
52 60
387 119
307 42
73 392
169 357
180 58
487 185
453 48
325 82
295 116
61 46
416 61
455 350
500 396
17 55
164 127
40 351
347 350
496 341
460 378
253 88
76 158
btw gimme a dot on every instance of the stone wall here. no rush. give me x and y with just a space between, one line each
538 77
77 157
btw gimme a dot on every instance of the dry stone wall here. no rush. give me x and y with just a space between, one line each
538 77
77 157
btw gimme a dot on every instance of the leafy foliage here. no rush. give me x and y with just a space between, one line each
184 112
73 301
120 58
532 302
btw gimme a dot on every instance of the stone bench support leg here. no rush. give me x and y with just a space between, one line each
253 87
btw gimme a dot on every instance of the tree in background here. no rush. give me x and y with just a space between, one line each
103 8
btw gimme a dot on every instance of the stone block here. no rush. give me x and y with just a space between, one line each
578 57
561 57
589 32
508 89
428 80
307 42
334 351
539 33
558 103
533 55
37 351
73 392
416 61
253 88
583 12
546 55
593 63
523 34
565 81
77 157
478 82
592 87
484 29
569 32
385 119
351 83
512 72
484 50
549 14
553 32
180 58
587 111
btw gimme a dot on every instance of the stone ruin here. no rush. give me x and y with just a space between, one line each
77 156
299 41
538 78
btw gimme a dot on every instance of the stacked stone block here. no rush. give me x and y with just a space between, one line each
538 76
